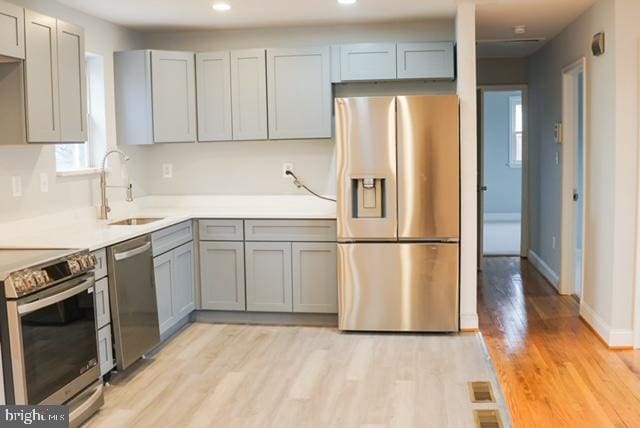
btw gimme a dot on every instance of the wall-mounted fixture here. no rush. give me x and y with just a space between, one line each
597 45
557 133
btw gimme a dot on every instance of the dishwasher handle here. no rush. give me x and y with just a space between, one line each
132 253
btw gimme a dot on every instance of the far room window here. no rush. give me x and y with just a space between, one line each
515 132
85 157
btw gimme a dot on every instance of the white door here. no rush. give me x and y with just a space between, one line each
213 72
72 83
41 73
174 97
299 93
249 94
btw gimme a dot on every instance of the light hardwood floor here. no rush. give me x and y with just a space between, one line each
261 376
553 369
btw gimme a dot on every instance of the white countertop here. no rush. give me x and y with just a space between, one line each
81 229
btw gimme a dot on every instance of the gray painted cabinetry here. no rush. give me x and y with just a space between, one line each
249 94
103 313
11 30
155 97
222 275
213 71
268 276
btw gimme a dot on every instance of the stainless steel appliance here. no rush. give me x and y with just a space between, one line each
398 202
48 330
132 293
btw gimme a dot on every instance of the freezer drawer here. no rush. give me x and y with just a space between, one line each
398 287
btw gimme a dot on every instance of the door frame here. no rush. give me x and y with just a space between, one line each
569 149
524 206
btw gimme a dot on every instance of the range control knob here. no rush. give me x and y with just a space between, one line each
74 266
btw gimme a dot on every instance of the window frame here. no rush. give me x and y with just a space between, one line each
514 101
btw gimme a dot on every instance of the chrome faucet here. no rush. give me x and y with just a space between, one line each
104 202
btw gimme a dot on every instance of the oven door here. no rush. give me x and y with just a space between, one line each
54 343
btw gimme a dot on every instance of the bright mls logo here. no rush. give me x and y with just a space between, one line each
34 416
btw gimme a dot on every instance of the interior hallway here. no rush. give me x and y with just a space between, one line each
553 369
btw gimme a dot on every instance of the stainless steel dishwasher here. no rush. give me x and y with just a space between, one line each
133 300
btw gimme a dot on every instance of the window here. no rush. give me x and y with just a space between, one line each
515 132
78 158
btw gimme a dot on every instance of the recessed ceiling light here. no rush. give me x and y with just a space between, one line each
221 7
347 1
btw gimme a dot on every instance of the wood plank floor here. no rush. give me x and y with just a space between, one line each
265 376
553 369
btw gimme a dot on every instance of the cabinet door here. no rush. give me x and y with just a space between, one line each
184 281
164 273
173 89
249 94
105 350
429 60
72 83
368 61
213 72
41 72
103 312
222 276
268 276
315 277
11 30
299 93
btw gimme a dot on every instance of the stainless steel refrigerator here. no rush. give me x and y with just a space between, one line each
398 202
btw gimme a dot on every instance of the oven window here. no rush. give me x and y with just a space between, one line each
59 345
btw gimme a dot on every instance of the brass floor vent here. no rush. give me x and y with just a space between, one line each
481 392
487 419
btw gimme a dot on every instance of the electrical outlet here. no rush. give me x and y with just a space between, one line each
287 166
553 242
44 182
16 186
167 170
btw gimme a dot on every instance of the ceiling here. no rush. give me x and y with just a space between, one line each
495 18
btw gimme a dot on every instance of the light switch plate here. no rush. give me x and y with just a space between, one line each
16 186
167 170
44 182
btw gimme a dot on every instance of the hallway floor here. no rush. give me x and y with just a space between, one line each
553 369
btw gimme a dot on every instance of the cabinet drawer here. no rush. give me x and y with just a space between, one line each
220 230
171 237
105 350
103 313
290 230
101 263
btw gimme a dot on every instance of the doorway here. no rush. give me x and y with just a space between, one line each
502 177
574 155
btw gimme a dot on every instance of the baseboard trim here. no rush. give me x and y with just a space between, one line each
612 338
544 270
266 318
469 322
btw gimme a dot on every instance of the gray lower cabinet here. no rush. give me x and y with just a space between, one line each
103 312
268 281
315 277
175 281
11 30
222 276
105 350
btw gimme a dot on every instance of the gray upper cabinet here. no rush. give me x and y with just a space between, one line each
72 86
55 85
429 60
315 277
11 30
299 93
268 283
155 97
213 76
249 94
222 276
368 61
174 97
41 74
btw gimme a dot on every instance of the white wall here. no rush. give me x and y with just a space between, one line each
611 171
254 167
28 162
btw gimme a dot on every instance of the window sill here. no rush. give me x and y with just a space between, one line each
78 172
515 165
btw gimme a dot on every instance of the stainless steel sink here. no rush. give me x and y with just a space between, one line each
136 221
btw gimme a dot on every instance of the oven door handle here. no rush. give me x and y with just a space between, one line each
47 301
131 253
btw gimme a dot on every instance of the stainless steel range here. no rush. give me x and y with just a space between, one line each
48 330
